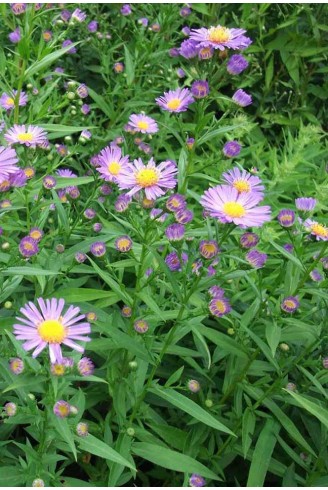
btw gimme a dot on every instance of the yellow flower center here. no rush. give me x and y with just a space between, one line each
29 172
218 35
63 410
220 306
319 230
241 185
52 331
289 303
10 101
147 177
205 53
5 204
4 184
28 246
174 104
25 137
114 168
46 36
35 234
210 248
58 369
142 125
234 209
123 243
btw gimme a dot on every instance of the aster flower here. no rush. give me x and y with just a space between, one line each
324 262
38 482
155 180
197 480
126 9
184 216
61 409
97 227
176 202
318 230
8 160
85 366
93 26
185 11
15 36
190 143
290 304
8 101
231 149
219 306
66 43
36 233
25 135
158 215
175 232
112 163
47 36
78 15
57 369
244 182
123 243
16 365
143 21
316 276
286 218
122 203
305 203
18 179
256 259
249 240
82 91
193 385
89 213
200 89
175 100
181 73
185 31
205 53
144 124
173 261
141 326
236 64
98 249
82 429
208 248
18 8
80 257
219 37
230 206
242 98
288 247
126 311
216 292
118 67
28 247
10 409
49 326
325 362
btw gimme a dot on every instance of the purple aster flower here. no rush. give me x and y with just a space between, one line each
155 180
185 31
18 179
145 148
288 247
112 163
229 206
78 16
8 160
209 248
85 366
82 91
231 149
105 190
155 27
244 182
85 134
181 73
118 67
219 37
325 362
175 100
73 192
236 64
290 304
176 202
143 21
93 26
98 249
205 53
249 240
25 135
80 257
47 36
184 216
65 15
173 262
175 232
200 89
188 49
62 409
286 218
242 98
10 409
85 109
36 233
123 243
126 311
122 203
316 276
158 215
324 262
16 365
28 246
219 306
256 259
89 213
141 326
66 43
50 326
185 11
82 429
18 8
62 150
216 292
97 227
174 52
317 229
305 203
15 36
8 101
193 385
190 143
142 123
126 9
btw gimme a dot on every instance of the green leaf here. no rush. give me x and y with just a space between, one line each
80 295
248 427
112 283
223 341
151 303
102 104
99 448
47 60
273 334
316 409
174 377
11 476
76 181
59 131
172 460
190 407
64 430
262 453
287 254
129 66
28 271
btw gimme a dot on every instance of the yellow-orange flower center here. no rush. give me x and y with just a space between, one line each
147 177
174 104
29 172
123 243
142 125
58 369
25 137
289 303
28 246
52 331
209 247
242 185
10 101
220 306
319 230
35 234
234 210
219 34
114 168
63 410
